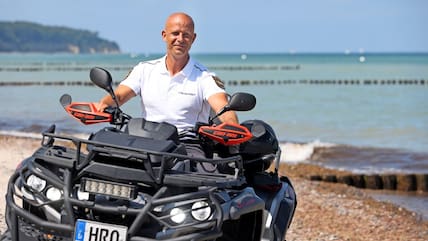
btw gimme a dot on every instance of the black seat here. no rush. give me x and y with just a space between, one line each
127 140
153 130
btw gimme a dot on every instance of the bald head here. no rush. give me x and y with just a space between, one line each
180 18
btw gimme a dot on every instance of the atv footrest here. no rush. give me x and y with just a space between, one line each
202 179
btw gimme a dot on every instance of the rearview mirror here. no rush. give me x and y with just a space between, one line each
238 102
101 78
242 102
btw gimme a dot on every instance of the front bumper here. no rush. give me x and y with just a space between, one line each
26 226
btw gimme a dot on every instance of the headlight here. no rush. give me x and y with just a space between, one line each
177 215
36 182
201 211
119 190
54 194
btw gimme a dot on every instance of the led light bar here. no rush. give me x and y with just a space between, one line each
118 190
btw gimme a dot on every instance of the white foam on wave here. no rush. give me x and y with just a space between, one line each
36 135
299 152
21 134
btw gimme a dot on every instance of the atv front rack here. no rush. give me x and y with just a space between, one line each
65 162
26 224
146 164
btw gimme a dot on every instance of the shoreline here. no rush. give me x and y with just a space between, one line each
325 211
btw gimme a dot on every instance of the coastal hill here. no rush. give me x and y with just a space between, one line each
28 37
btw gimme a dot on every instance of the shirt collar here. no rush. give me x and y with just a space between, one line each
186 71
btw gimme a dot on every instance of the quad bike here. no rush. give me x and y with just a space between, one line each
132 181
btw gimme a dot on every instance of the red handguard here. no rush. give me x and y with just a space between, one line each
226 134
87 113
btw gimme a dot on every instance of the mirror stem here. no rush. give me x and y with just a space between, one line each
210 121
115 100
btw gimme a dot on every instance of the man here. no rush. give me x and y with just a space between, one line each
174 88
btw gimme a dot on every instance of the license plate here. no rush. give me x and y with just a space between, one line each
94 231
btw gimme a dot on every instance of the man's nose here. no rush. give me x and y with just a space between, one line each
180 37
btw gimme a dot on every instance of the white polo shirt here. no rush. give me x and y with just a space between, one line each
180 100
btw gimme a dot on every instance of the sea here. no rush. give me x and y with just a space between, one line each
368 110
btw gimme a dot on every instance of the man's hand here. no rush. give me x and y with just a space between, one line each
101 106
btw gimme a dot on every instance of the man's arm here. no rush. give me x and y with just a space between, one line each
123 94
217 102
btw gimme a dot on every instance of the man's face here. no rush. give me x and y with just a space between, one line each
178 35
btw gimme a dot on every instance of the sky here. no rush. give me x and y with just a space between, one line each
242 26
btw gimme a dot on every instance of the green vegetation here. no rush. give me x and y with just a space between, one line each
31 37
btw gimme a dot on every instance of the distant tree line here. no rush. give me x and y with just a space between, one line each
23 36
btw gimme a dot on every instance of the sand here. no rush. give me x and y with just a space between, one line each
325 211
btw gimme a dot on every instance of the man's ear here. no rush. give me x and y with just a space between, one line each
163 34
194 38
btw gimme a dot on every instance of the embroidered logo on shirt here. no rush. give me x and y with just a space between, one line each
186 93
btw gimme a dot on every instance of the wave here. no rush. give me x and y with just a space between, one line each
355 159
32 135
300 152
38 135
